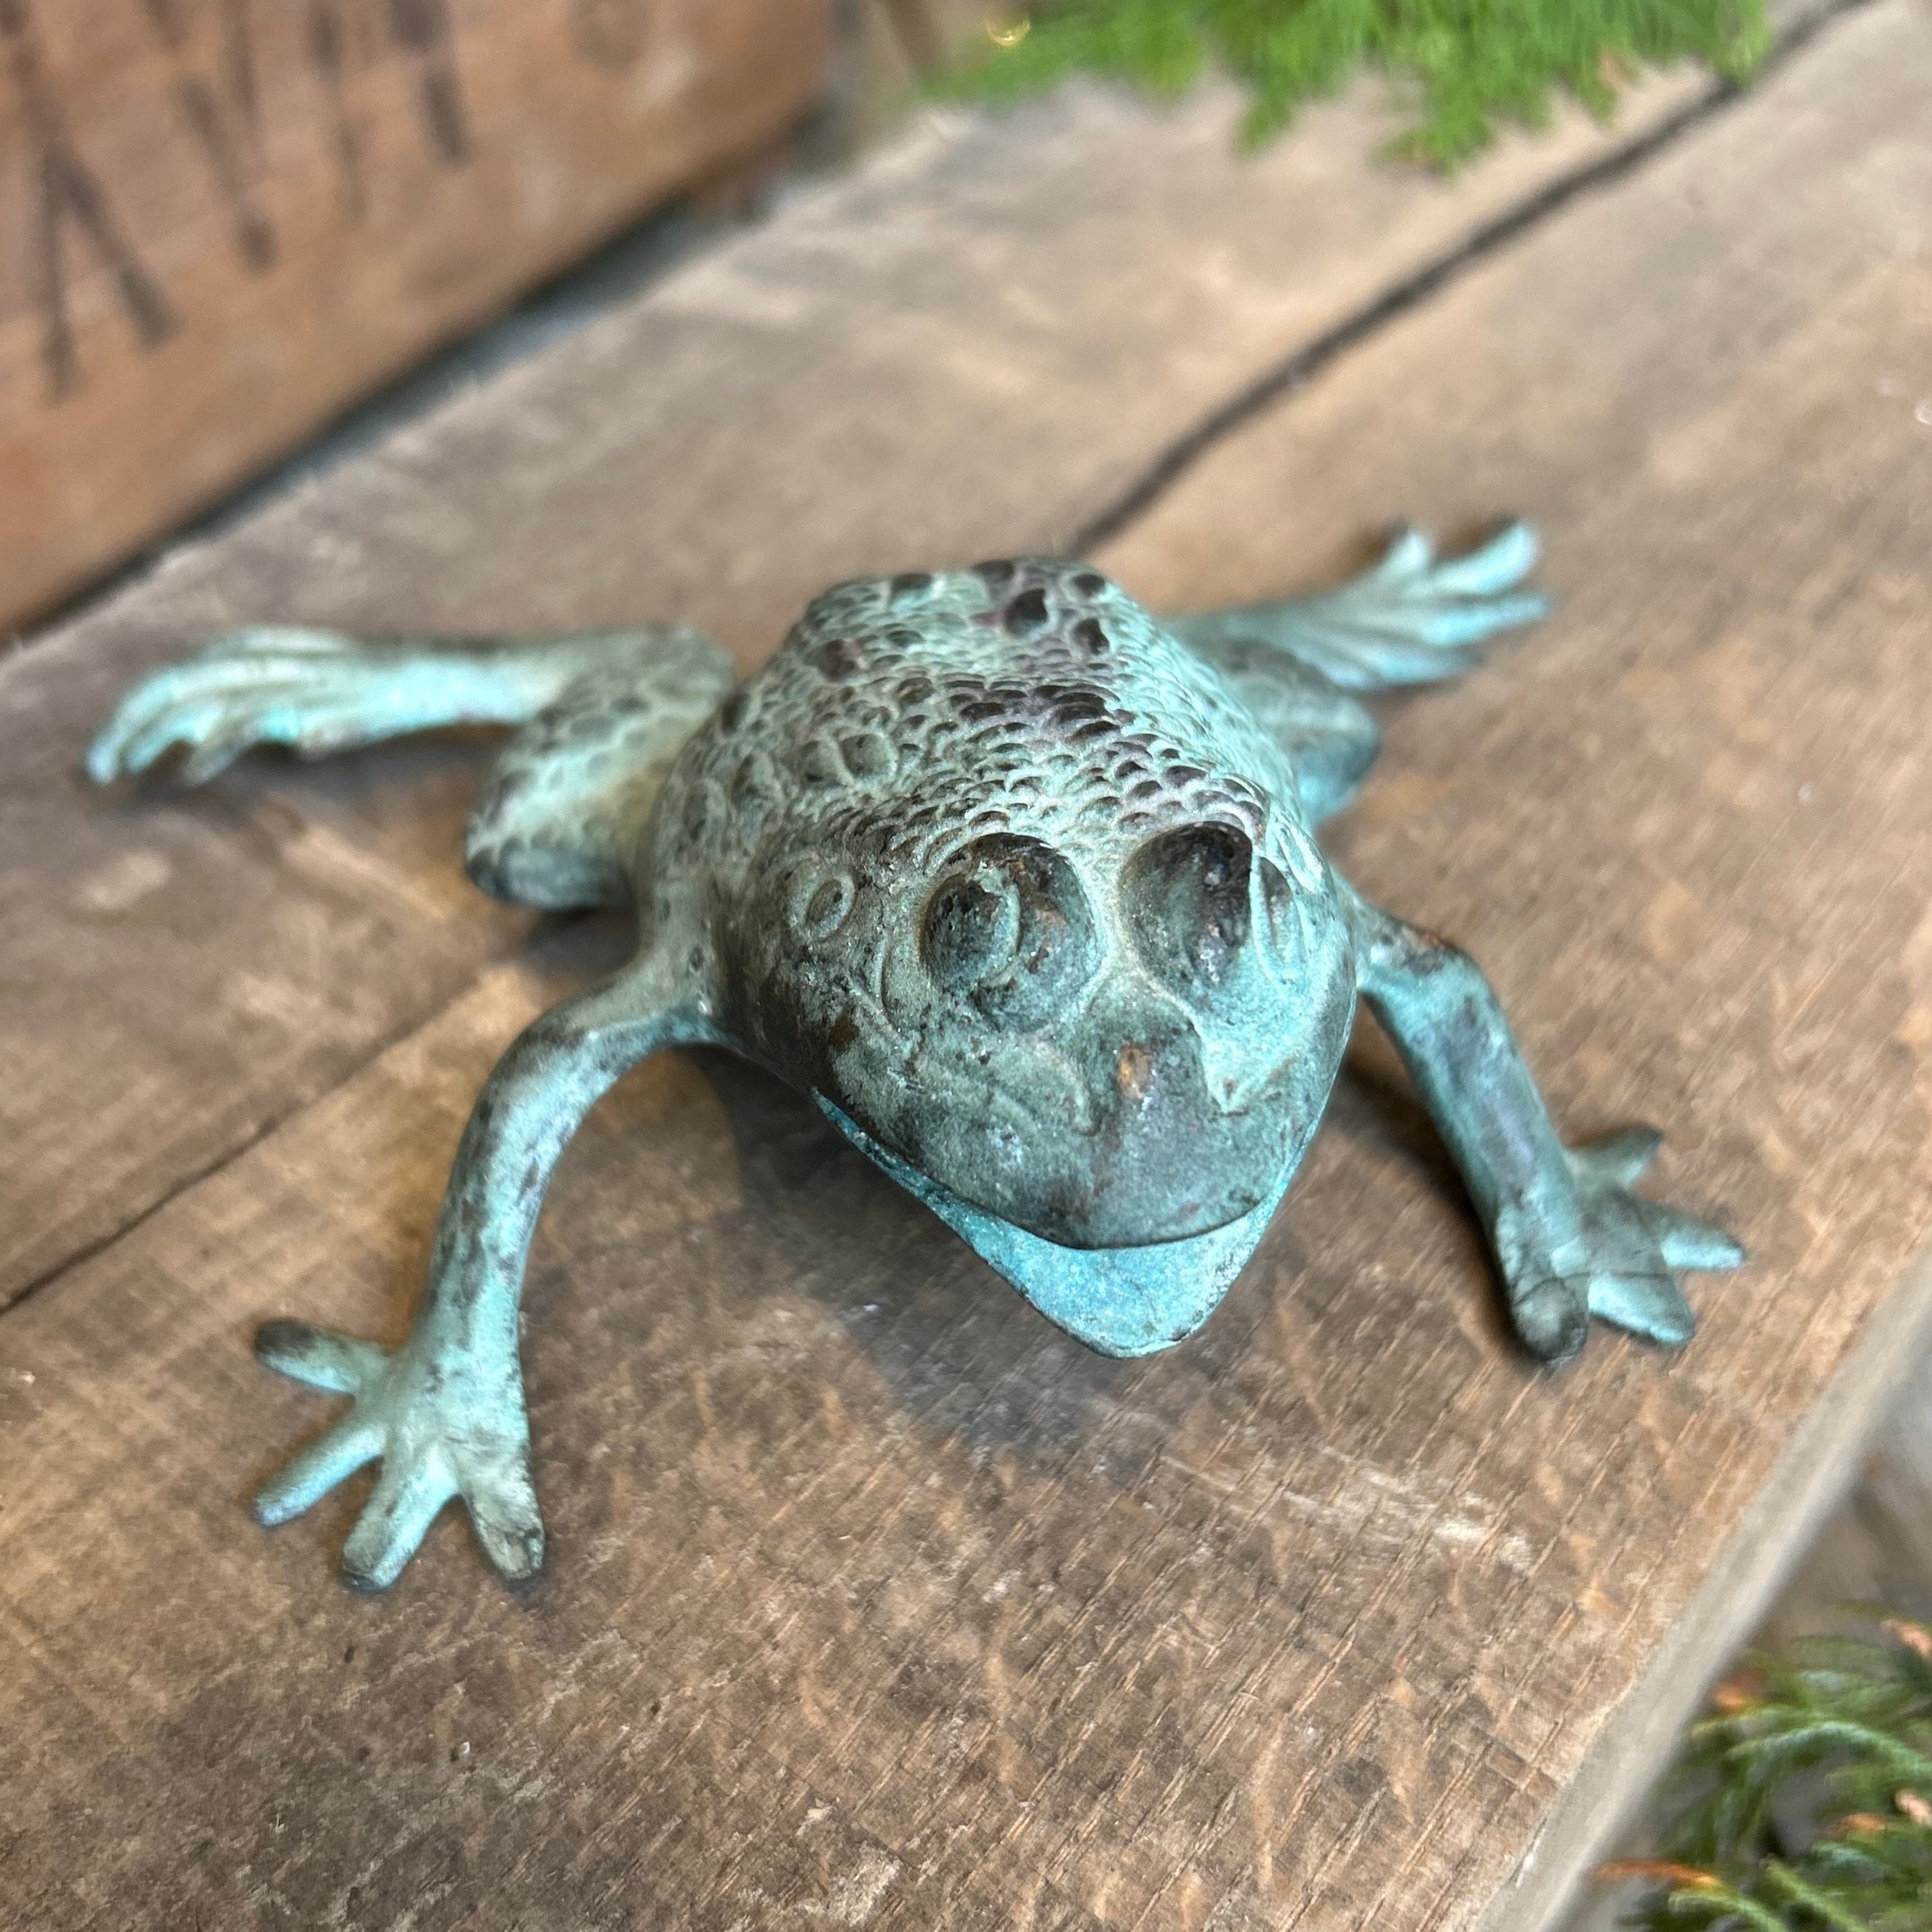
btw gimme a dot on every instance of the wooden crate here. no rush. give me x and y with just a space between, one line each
220 220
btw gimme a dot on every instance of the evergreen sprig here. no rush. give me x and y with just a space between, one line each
1803 1803
1465 63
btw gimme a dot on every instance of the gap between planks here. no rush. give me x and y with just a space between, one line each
1799 27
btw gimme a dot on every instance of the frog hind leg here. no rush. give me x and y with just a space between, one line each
601 713
558 820
1414 619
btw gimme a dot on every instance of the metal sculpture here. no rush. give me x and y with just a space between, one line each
1018 882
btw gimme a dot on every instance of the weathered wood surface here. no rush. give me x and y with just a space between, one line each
969 348
1876 1548
1687 829
875 1601
220 221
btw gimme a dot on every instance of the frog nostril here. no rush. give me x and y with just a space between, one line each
1133 1071
1279 926
1232 1074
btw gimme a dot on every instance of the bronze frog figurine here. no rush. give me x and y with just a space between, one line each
1018 882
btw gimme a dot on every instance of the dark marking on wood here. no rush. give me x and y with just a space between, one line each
610 33
254 237
424 27
237 36
221 132
325 44
66 189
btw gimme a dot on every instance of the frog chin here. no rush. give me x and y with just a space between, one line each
1074 1198
1122 1301
1169 1167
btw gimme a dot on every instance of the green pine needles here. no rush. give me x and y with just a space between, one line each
1803 1802
1465 65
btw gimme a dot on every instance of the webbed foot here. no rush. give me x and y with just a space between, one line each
1416 615
1414 619
442 1428
316 692
1615 1255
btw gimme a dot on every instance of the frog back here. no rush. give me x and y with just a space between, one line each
903 715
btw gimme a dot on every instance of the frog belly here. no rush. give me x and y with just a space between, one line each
1121 1301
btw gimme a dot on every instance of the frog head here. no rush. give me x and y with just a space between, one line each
1106 1041
1023 892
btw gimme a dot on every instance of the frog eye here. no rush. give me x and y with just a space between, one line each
972 929
1008 926
1187 896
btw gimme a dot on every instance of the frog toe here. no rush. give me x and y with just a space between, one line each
1448 603
1687 1242
407 1498
1617 1158
1552 1319
309 1476
315 690
323 1358
504 1510
1501 564
1652 1305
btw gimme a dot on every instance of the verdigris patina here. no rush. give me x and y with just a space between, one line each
1016 881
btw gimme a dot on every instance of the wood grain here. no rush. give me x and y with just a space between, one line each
967 348
222 221
875 1601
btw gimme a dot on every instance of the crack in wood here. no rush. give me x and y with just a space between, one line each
1297 370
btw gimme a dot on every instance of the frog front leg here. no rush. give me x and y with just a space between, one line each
1571 1240
444 1412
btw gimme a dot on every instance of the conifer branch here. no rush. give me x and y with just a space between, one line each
1461 66
1803 1802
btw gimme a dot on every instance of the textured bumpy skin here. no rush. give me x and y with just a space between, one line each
1017 884
1017 881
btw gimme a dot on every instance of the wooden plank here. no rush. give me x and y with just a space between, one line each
966 349
1724 724
876 1601
222 223
1875 1547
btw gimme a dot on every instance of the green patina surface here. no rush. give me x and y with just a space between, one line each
1017 881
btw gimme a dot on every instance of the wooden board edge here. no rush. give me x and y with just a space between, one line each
1816 1471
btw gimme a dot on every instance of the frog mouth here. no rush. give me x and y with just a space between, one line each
1113 1139
1126 1301
1102 1180
1136 1123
